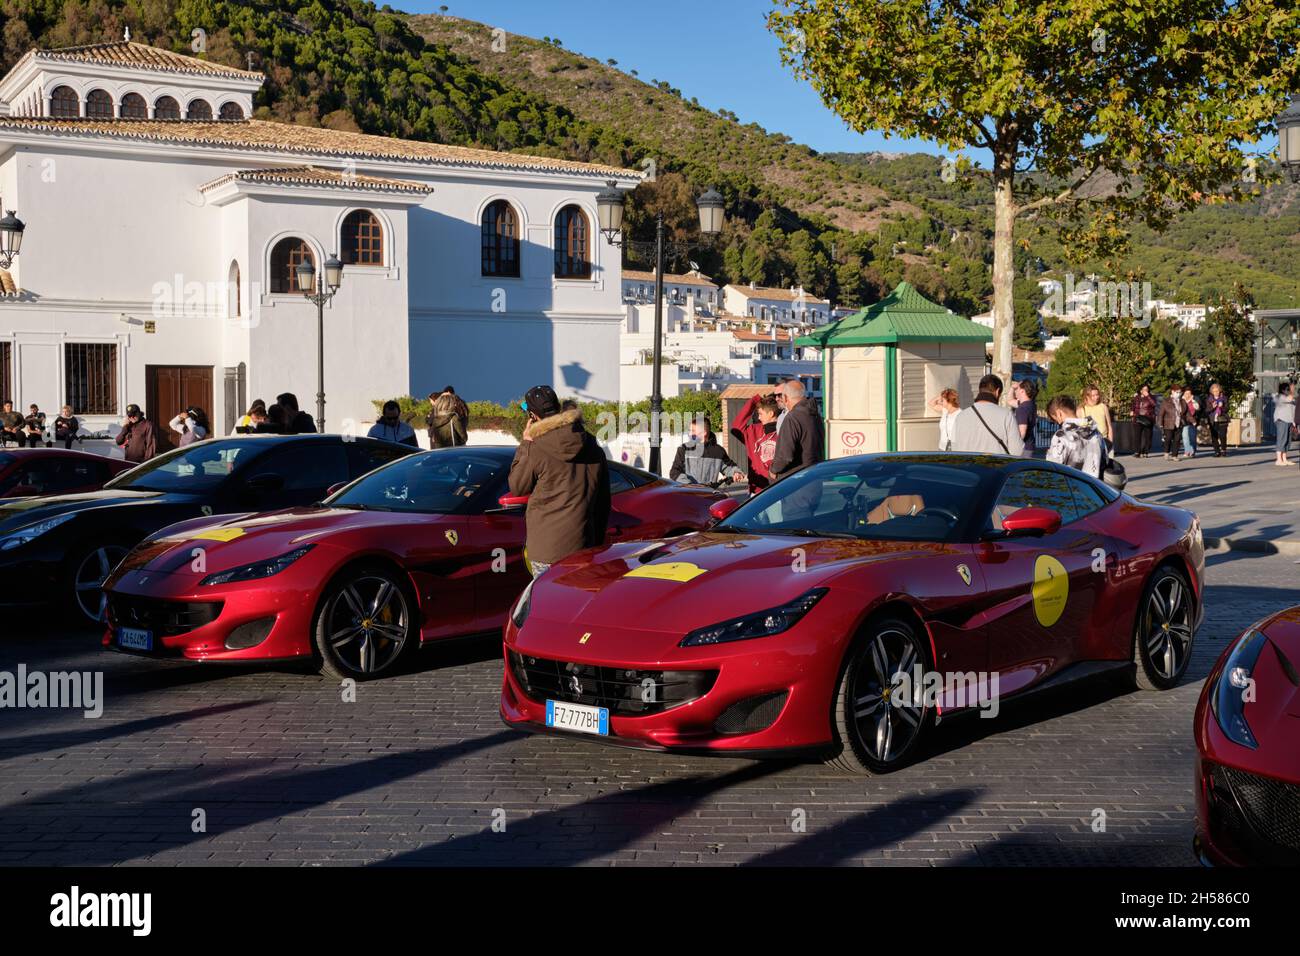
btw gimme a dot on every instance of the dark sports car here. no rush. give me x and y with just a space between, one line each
1248 749
423 549
842 610
59 549
28 472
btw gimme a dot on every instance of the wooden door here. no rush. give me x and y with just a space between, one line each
170 389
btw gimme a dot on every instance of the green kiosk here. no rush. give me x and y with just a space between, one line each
884 363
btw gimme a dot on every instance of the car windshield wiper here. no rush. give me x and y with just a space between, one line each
812 533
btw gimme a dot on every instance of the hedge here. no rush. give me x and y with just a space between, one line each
490 416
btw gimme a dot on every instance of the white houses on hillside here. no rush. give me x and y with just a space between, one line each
693 288
164 228
790 306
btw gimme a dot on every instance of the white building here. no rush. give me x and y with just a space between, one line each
790 306
704 355
693 287
159 255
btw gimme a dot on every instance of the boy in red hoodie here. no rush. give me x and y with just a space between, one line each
755 426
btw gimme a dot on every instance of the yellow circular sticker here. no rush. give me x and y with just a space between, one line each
1051 589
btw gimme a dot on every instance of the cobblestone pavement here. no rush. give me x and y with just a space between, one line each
418 769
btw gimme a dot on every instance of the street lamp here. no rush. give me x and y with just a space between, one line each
1288 139
319 290
609 211
11 238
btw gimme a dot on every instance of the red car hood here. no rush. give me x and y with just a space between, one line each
678 585
1274 715
231 541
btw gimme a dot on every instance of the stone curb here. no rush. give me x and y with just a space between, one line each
1253 545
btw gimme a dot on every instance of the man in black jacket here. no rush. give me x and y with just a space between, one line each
300 423
702 461
800 441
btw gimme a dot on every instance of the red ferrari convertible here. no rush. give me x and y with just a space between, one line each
415 551
1247 758
844 609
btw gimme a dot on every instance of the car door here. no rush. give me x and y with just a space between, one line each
1042 590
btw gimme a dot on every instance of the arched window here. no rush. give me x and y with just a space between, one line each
166 108
64 103
134 107
572 260
231 111
500 240
199 110
362 241
284 262
99 105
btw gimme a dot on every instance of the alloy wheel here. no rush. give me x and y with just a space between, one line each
88 581
886 722
366 624
1167 626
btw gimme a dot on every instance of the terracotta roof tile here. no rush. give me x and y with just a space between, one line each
784 295
268 136
669 278
130 53
315 176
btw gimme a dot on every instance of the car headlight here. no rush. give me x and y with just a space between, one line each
761 624
259 569
1228 701
523 605
20 537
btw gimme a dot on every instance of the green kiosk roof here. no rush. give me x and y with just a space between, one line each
902 316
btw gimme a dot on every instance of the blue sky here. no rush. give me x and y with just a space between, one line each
719 51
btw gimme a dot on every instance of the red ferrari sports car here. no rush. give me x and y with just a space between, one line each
1247 758
54 471
844 609
420 549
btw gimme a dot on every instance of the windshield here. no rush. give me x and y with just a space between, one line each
876 499
194 468
439 482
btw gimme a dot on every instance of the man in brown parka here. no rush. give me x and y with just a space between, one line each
563 471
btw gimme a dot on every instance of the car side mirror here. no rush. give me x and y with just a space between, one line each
511 503
1031 523
335 488
265 483
722 510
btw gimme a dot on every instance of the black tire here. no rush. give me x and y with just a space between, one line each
888 645
366 624
84 573
1163 637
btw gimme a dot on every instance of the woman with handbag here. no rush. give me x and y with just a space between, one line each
1283 421
1191 419
1216 414
1144 416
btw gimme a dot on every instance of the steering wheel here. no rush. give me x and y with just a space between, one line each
948 513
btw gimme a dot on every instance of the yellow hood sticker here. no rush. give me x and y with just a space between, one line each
1051 589
217 534
668 571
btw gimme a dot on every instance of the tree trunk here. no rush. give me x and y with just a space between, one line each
1004 272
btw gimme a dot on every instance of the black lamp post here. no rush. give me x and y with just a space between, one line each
11 238
320 289
1288 139
609 209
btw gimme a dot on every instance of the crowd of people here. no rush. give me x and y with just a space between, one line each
1085 428
33 431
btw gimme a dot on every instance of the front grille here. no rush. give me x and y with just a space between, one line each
623 690
752 714
1260 814
164 618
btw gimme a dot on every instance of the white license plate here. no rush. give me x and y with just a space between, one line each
135 638
578 717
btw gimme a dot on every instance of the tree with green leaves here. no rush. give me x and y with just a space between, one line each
1029 325
1232 334
1118 358
1098 115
